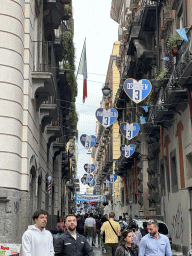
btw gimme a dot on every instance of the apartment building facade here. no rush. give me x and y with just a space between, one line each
35 164
157 177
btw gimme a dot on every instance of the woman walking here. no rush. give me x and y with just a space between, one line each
126 246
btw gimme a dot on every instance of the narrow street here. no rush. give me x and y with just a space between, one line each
98 252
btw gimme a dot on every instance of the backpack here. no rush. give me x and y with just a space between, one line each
122 225
80 224
98 224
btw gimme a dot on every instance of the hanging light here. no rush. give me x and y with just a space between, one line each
106 90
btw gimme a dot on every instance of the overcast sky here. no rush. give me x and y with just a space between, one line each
92 21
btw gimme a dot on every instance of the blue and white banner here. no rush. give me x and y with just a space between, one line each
98 183
145 108
182 33
89 168
91 183
90 198
83 180
142 120
88 177
106 117
129 130
137 90
127 151
107 183
112 177
88 141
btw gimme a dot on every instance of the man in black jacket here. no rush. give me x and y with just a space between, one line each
72 243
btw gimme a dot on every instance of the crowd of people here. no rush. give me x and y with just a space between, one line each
77 235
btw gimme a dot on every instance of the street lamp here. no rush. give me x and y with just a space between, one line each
106 90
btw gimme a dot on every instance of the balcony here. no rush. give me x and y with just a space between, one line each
153 183
183 68
44 72
154 197
53 13
58 147
123 164
66 173
143 20
152 167
148 15
53 132
48 112
170 100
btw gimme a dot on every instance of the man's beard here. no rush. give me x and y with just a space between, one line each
154 233
72 228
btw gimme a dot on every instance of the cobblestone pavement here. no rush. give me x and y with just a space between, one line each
97 251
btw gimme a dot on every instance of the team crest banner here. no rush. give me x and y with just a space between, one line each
90 198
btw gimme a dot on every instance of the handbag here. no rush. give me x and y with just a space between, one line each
115 231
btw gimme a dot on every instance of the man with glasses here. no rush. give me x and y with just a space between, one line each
154 243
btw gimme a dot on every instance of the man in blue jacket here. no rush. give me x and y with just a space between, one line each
72 243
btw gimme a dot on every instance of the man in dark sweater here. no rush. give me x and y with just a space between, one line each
72 243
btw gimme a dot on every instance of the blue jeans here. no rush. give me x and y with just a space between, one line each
90 240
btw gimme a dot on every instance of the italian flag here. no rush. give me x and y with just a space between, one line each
83 70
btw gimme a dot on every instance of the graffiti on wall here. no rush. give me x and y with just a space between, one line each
177 224
16 207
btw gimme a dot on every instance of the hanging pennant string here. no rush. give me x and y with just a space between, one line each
137 106
97 74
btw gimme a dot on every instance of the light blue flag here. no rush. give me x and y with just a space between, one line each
142 120
166 58
145 108
182 33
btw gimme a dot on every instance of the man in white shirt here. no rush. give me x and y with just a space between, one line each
37 241
90 228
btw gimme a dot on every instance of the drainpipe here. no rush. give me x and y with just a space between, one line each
135 174
190 102
161 139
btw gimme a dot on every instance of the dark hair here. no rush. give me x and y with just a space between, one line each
120 218
38 212
124 235
91 214
133 225
144 224
111 215
70 215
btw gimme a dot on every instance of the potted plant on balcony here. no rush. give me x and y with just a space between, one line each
174 43
67 12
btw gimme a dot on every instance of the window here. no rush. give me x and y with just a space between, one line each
189 165
180 18
174 179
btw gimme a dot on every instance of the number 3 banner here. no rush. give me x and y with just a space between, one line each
127 151
88 141
137 90
129 130
106 117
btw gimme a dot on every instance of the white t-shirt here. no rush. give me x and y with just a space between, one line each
90 222
74 236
